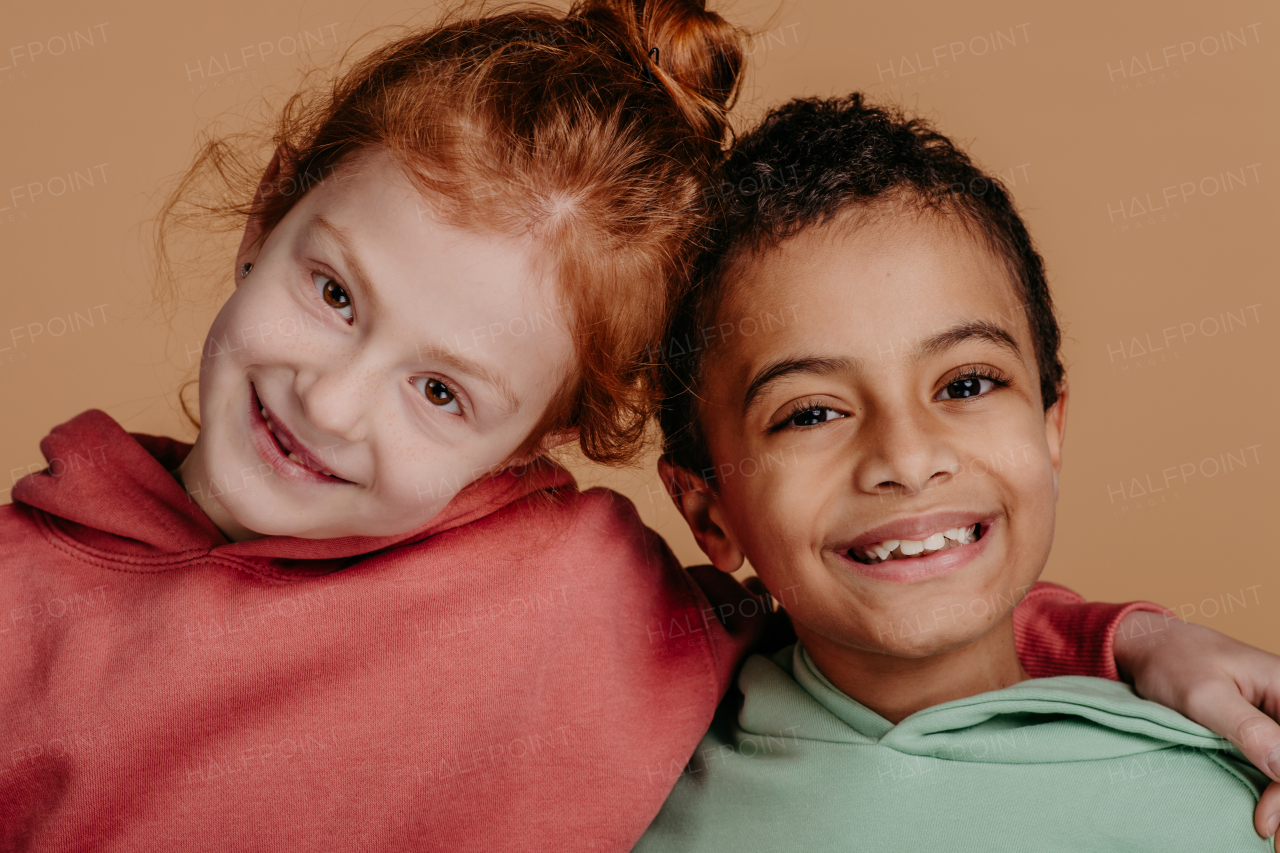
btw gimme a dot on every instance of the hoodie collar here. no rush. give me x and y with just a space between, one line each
1044 720
111 491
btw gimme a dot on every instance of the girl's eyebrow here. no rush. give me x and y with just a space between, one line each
320 225
490 377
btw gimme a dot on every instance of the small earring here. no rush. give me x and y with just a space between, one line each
244 270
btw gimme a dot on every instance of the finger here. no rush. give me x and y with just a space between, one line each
1226 712
1266 817
756 587
1258 737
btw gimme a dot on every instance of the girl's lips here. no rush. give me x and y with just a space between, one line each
275 454
910 569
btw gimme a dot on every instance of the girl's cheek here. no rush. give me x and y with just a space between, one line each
417 479
224 343
263 324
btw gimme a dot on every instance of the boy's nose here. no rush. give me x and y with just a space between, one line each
904 454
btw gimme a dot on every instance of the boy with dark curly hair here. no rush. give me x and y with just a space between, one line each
905 423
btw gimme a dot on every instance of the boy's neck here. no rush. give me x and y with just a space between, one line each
896 687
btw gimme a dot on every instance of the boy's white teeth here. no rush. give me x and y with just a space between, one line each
891 549
911 547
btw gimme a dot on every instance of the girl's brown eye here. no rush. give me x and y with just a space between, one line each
438 393
334 295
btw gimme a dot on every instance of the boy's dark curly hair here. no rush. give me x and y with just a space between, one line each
808 161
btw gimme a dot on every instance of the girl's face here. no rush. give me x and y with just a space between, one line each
373 363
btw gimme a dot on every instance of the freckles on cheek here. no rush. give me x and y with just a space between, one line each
254 326
416 481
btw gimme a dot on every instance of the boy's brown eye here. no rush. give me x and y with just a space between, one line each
807 416
964 388
968 386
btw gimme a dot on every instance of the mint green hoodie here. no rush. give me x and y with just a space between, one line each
1072 763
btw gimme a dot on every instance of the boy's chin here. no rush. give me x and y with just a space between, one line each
917 634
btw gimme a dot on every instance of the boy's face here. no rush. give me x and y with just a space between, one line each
897 399
374 362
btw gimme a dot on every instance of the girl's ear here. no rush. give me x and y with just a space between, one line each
552 440
253 226
699 505
549 442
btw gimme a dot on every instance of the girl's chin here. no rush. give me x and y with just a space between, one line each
272 523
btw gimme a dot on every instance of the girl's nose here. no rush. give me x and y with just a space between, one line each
336 400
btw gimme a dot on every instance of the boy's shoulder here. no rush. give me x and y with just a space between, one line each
827 773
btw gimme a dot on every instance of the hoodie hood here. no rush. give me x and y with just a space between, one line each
1039 721
109 494
1068 763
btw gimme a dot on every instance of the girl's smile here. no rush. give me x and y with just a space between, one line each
375 403
284 452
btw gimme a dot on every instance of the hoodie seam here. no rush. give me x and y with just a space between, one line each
67 544
121 563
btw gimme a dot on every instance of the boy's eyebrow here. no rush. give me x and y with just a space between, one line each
333 232
814 366
973 329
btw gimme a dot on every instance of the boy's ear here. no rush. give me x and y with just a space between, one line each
1055 430
698 503
253 227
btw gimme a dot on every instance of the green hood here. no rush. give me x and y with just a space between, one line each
1067 763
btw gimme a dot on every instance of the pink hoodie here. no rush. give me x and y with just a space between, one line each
506 678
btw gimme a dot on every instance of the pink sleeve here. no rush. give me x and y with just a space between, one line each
735 620
1059 633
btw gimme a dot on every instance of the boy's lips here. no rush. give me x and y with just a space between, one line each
918 547
283 450
917 527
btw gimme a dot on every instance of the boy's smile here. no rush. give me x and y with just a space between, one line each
918 547
916 504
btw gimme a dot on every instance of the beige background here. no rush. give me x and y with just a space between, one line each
1089 110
